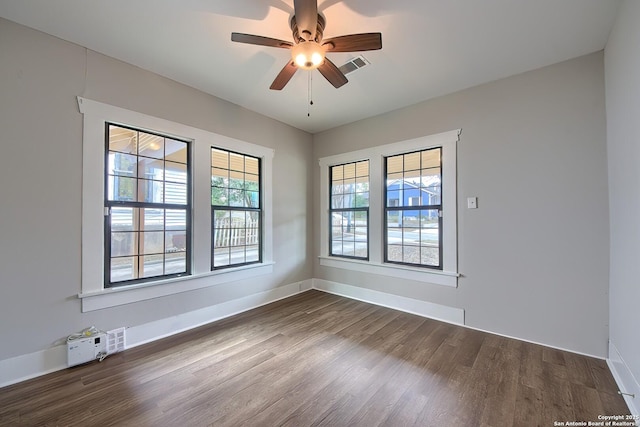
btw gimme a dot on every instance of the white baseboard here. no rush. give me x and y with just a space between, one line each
408 305
627 383
27 366
418 307
163 328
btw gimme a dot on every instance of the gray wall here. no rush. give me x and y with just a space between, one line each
622 61
535 254
40 185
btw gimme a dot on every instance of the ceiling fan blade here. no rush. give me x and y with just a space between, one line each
330 72
354 42
260 40
284 76
306 14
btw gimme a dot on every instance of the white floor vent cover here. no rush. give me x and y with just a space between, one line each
116 340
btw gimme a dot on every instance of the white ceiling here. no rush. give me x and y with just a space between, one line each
430 47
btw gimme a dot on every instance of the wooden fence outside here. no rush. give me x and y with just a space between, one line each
236 232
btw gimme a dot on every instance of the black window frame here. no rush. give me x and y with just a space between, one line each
354 210
245 209
109 204
421 207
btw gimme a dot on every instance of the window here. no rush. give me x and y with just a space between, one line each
138 195
349 210
235 209
411 215
147 201
413 225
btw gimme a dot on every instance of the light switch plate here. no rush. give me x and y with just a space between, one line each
472 203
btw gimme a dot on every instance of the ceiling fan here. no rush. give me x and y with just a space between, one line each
308 48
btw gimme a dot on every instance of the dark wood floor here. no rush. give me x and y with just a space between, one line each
320 359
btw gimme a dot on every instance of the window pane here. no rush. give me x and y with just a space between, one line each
362 200
252 182
123 244
235 183
394 219
176 219
219 196
252 199
122 165
122 219
151 265
337 173
121 189
350 171
219 177
150 169
123 269
394 164
175 193
152 242
150 145
394 253
236 162
219 159
362 169
253 253
394 198
175 263
221 257
236 198
431 158
251 166
336 247
176 172
337 202
150 191
175 151
153 219
430 256
123 140
411 162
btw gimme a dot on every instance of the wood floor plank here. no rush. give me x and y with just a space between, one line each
318 359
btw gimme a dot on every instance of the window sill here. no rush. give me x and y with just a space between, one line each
445 278
112 297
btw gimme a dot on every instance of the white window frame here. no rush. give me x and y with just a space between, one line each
93 293
448 276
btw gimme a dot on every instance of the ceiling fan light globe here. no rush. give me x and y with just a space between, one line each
307 55
317 58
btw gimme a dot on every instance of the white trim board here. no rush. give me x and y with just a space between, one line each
396 302
625 380
32 365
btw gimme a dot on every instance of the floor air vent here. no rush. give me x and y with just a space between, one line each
354 64
116 340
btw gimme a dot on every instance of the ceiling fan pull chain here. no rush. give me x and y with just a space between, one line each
310 93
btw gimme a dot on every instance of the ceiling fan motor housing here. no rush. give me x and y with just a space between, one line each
296 33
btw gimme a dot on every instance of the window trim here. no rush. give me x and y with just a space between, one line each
93 293
448 276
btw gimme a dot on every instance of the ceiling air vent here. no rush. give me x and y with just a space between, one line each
354 64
